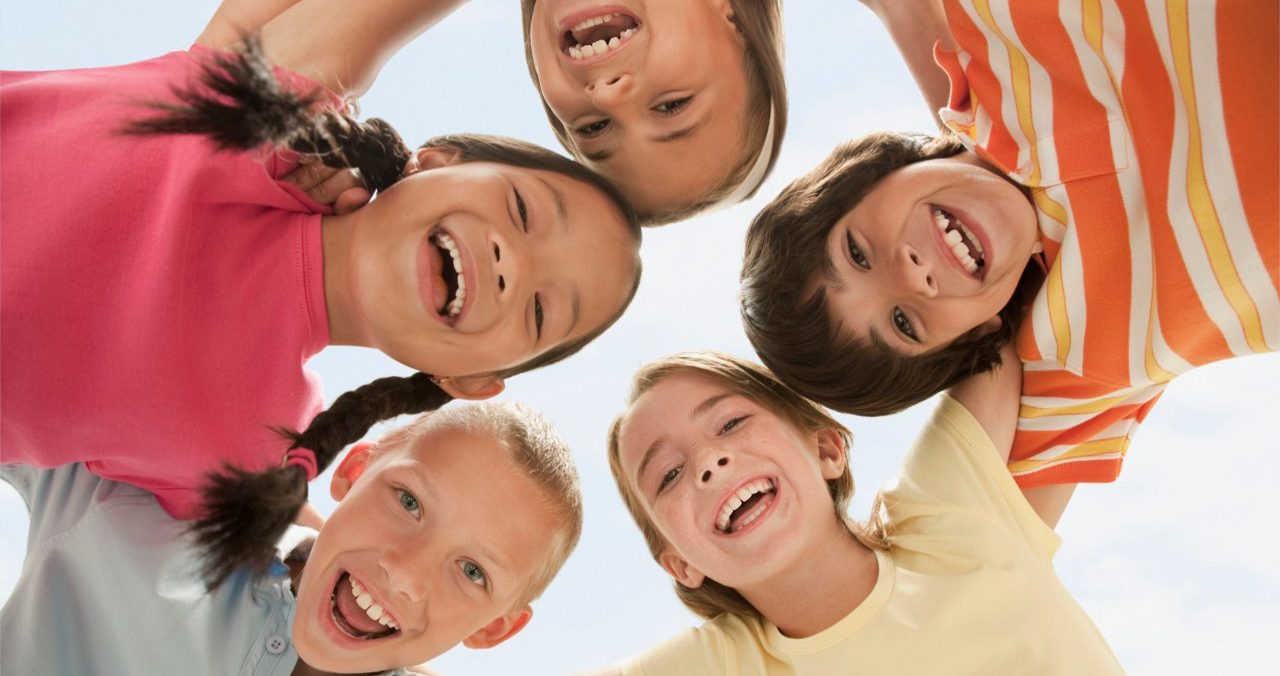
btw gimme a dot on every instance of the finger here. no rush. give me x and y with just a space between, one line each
335 184
308 176
350 200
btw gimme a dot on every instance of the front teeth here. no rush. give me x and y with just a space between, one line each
735 501
373 610
455 306
599 46
956 240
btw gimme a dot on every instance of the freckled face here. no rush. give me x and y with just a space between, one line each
443 533
652 93
934 250
735 490
475 267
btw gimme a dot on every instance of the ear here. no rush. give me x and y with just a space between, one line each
831 453
499 630
724 7
472 387
431 158
681 570
350 469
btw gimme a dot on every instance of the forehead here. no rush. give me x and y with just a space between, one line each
664 407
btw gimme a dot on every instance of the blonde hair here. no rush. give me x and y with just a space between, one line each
756 383
759 22
532 443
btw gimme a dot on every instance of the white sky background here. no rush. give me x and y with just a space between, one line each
1174 562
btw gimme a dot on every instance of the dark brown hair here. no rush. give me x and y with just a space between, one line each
786 317
239 104
760 24
756 383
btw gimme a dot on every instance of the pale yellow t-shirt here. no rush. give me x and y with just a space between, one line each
967 586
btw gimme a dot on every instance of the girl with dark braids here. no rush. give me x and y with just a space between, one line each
156 317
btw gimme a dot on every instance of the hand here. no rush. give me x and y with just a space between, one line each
341 189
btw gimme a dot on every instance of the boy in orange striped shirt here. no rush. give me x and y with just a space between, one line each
1127 148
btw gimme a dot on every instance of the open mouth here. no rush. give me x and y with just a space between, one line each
598 35
356 614
746 506
964 245
451 289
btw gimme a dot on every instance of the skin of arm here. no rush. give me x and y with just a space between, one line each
915 25
235 18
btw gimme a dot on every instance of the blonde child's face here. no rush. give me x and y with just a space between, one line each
467 268
738 493
934 250
443 533
663 113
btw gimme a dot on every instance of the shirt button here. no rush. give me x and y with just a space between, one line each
276 645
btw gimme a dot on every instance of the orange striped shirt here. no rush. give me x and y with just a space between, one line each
1147 133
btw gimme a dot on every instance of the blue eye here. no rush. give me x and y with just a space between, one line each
903 324
668 478
408 502
856 254
474 573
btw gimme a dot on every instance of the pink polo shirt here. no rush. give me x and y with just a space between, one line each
157 298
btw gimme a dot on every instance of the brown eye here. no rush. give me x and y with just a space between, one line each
855 253
903 325
673 106
592 129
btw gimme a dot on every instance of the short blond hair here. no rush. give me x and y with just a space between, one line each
756 383
533 444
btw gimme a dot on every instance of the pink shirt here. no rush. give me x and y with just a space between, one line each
157 298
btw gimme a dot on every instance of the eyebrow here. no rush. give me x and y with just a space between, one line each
657 444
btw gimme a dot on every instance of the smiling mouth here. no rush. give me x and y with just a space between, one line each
964 245
598 35
452 280
744 507
356 615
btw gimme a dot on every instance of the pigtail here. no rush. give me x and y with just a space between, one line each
240 105
246 513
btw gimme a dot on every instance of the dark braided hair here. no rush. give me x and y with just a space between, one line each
239 104
246 513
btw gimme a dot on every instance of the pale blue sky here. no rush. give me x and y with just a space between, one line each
1175 561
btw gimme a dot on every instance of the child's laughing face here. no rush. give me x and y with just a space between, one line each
738 493
652 94
466 268
434 542
934 250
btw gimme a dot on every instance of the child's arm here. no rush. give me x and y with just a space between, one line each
915 25
236 18
341 45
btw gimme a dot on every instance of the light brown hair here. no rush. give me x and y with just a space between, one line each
759 385
760 24
786 318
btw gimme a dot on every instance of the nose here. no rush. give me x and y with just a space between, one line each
915 272
607 91
404 565
509 262
712 464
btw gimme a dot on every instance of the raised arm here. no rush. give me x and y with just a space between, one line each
992 398
915 25
338 44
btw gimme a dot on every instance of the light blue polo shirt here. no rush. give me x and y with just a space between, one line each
110 585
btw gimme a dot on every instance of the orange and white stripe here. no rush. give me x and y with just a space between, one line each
1146 130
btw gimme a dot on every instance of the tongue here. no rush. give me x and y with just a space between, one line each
352 613
440 290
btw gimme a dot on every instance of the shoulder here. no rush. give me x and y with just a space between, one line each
717 646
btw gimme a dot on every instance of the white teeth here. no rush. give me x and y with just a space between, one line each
601 46
455 305
593 22
587 50
735 501
373 610
628 33
957 241
575 52
614 42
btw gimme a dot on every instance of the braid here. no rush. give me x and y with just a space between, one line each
240 105
246 513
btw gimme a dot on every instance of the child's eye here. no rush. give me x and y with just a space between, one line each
474 573
592 129
855 253
524 211
408 502
537 314
673 106
668 478
903 324
733 424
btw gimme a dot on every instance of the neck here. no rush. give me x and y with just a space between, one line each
335 241
821 589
